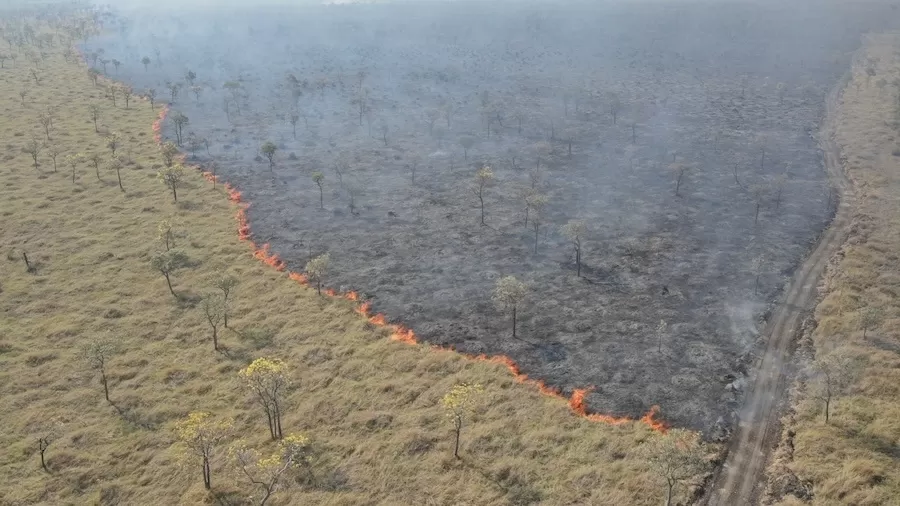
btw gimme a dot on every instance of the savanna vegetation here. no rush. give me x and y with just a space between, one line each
146 356
840 441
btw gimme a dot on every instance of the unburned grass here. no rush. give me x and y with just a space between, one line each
854 458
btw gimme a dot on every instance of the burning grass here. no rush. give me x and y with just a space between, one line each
369 404
854 458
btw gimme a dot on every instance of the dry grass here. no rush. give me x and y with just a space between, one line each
855 459
370 405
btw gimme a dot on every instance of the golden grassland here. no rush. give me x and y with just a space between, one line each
370 405
855 458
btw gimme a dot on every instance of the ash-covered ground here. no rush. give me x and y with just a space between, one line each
600 109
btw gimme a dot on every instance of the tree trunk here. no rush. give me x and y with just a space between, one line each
669 493
481 198
215 338
677 184
827 408
169 283
321 198
207 478
527 208
105 385
43 462
578 261
278 432
756 216
456 445
535 239
174 192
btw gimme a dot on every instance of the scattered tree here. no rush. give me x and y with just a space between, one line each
537 203
171 176
96 159
146 61
54 150
127 93
151 96
200 434
113 142
509 292
575 231
869 318
679 169
34 148
116 165
169 151
48 434
466 141
319 179
268 150
214 310
661 331
166 232
834 372
225 283
267 380
97 354
460 403
675 457
72 161
615 105
167 262
316 270
758 264
180 120
46 121
483 178
95 112
267 472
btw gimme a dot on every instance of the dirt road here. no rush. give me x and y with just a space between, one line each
739 482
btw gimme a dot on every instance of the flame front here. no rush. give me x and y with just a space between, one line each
406 335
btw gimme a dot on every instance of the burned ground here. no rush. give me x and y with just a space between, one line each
730 92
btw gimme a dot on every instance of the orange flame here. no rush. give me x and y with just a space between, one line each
406 335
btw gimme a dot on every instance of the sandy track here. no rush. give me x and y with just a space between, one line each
738 481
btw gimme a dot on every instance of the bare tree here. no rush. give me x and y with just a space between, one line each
833 374
614 103
509 292
466 141
151 96
675 458
168 262
758 194
127 93
869 318
575 231
679 170
95 112
180 120
483 178
97 354
146 61
758 264
116 165
537 203
54 150
96 159
225 283
72 161
46 121
319 179
172 177
661 331
214 310
317 269
113 142
34 148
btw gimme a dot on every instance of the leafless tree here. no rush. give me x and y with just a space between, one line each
34 147
509 292
575 231
483 178
833 374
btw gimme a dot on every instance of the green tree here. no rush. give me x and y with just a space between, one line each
171 176
674 458
459 404
266 379
97 355
267 472
167 262
268 150
199 435
317 269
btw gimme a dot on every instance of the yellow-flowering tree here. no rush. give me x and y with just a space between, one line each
200 435
266 378
266 472
459 402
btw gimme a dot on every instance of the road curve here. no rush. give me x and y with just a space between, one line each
737 483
